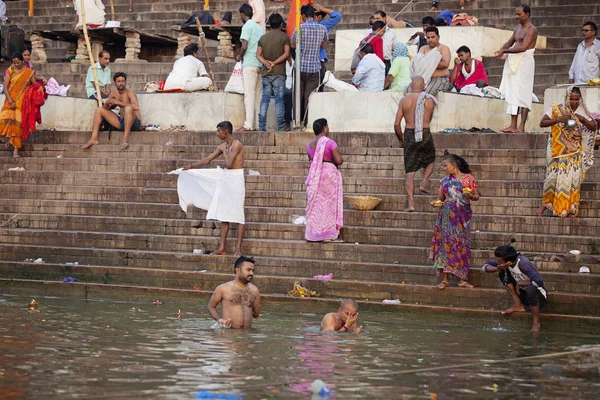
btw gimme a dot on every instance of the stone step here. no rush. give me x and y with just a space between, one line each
419 294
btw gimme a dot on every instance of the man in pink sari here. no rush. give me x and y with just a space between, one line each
324 193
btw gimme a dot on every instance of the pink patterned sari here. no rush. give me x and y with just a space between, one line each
324 198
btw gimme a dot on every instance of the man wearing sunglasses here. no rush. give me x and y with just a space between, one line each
521 280
586 63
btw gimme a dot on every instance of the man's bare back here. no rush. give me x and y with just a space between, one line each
409 104
238 303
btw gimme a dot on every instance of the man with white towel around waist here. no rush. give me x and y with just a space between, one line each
519 69
221 191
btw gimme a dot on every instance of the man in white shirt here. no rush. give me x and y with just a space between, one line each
586 63
370 73
188 72
389 39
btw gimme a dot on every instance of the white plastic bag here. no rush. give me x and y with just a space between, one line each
236 82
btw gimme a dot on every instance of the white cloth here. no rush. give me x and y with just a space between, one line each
258 13
94 12
425 65
288 75
389 41
332 82
466 74
3 12
219 191
252 95
472 90
370 74
586 63
517 81
185 70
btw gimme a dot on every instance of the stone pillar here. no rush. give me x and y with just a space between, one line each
225 51
133 47
81 55
182 40
38 50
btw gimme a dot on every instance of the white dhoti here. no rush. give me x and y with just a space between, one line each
94 12
219 191
517 81
425 65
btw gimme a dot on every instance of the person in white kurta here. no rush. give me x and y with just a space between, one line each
188 72
94 12
258 13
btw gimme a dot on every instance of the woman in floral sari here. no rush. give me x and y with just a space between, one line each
451 243
17 79
570 154
324 195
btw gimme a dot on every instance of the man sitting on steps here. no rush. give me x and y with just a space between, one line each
129 118
188 72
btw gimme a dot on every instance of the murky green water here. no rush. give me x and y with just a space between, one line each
70 348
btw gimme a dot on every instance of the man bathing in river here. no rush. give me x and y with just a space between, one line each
130 118
221 191
521 280
344 319
240 299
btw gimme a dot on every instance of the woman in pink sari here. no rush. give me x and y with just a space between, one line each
324 193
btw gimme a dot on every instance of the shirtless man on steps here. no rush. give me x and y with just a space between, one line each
130 118
240 298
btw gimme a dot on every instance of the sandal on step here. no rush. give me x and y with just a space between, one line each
465 284
443 285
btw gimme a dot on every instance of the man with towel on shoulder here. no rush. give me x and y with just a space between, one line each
432 62
221 191
416 108
519 69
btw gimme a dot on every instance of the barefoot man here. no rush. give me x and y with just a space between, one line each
221 191
344 319
130 118
519 69
521 280
240 299
416 108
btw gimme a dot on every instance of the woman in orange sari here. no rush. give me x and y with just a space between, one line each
17 79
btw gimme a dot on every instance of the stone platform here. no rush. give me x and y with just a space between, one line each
116 213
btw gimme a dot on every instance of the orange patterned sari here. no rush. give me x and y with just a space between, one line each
10 118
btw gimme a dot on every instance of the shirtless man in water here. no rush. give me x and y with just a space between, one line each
233 154
344 319
130 118
517 86
240 298
421 154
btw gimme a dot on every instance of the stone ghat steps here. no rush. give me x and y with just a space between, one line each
513 226
416 294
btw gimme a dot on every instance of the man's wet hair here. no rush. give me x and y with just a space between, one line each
377 25
591 25
428 20
307 11
432 29
367 49
351 302
242 259
226 126
190 49
381 12
463 49
246 9
275 21
119 75
526 9
319 125
507 253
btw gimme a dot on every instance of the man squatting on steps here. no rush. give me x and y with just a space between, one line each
521 280
221 191
240 298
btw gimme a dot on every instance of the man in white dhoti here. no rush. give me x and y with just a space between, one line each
519 69
94 13
221 191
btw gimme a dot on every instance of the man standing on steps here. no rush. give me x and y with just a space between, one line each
586 63
416 108
519 69
240 298
334 19
129 118
343 320
521 280
221 191
251 67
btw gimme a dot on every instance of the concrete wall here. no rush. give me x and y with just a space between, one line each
482 41
556 94
376 112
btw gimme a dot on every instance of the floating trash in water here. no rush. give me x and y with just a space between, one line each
319 387
300 291
69 279
158 303
324 277
178 314
32 304
220 396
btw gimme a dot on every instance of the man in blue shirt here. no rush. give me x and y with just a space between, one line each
313 37
334 19
521 280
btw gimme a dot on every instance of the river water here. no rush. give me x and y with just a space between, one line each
72 348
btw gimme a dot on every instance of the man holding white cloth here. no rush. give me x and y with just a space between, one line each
519 69
221 191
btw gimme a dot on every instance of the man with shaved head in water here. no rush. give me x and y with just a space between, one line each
344 319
